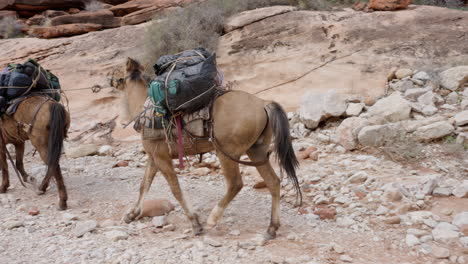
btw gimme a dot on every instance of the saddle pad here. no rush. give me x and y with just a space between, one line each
152 126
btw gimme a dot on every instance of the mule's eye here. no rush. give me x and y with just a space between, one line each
120 81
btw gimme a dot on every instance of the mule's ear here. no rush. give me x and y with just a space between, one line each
132 65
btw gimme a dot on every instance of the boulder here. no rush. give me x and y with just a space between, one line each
434 131
63 30
347 132
354 109
82 151
388 5
461 118
54 13
105 18
445 231
402 86
36 6
429 98
136 5
460 219
8 13
317 107
144 15
248 17
393 108
157 207
379 135
84 227
403 72
413 94
422 76
35 20
454 78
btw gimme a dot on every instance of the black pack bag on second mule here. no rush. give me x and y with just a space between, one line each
20 79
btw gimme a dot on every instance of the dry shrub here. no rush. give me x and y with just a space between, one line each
10 28
93 6
404 149
200 24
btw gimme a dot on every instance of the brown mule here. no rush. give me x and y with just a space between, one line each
242 124
45 123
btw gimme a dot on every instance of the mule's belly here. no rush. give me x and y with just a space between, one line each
191 147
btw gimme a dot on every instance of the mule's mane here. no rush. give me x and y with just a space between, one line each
137 75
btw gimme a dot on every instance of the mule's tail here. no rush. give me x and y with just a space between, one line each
57 134
283 145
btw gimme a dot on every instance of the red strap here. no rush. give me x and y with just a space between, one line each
180 143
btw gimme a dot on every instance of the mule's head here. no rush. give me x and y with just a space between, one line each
132 81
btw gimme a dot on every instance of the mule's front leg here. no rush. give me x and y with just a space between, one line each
19 149
137 210
168 171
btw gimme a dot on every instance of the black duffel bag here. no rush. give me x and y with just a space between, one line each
185 82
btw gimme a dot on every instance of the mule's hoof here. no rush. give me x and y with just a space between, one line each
271 233
132 215
62 206
3 189
197 231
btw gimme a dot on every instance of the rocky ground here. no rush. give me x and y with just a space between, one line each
359 207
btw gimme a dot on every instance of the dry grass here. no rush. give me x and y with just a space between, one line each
404 149
202 24
10 28
93 6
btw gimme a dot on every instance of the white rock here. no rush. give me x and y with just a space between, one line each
248 17
354 109
442 192
440 252
412 240
69 217
429 98
346 258
13 224
444 231
461 118
452 98
337 248
454 78
379 135
347 132
159 221
461 191
393 108
321 199
417 232
212 242
429 187
460 219
413 94
464 104
84 227
342 200
382 210
344 221
426 238
116 235
105 150
434 131
317 107
235 232
464 241
462 260
403 72
402 86
423 76
82 151
358 177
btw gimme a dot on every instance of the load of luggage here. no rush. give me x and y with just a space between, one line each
184 82
28 78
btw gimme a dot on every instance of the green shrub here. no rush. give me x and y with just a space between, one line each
10 28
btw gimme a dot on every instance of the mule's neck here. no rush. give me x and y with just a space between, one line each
136 97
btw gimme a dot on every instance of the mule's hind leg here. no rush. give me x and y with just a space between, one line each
19 150
257 153
63 197
234 185
137 210
4 167
165 164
